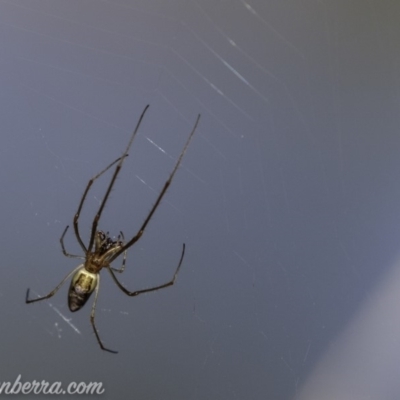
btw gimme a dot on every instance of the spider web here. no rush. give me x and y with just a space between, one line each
287 198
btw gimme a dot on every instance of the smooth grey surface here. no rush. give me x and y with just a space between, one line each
288 198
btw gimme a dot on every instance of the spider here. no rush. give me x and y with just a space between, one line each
86 276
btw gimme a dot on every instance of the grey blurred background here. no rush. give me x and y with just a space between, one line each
288 198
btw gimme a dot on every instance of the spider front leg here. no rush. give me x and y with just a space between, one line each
110 185
137 292
156 204
78 212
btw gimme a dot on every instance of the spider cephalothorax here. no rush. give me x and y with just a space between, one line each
104 243
85 277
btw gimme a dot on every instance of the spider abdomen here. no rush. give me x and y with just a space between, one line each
82 286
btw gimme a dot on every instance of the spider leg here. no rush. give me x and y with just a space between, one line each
159 198
137 292
54 291
90 183
120 270
63 248
110 186
92 314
